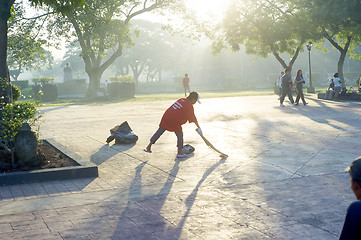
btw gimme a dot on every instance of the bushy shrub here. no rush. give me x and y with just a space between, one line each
122 79
14 115
16 92
121 87
43 80
27 92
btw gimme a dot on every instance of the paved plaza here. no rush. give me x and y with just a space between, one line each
284 177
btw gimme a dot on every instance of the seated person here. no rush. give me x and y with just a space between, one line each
330 91
331 86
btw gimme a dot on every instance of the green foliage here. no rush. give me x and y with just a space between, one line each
43 80
14 115
27 92
339 23
16 92
122 79
100 27
265 28
60 6
26 44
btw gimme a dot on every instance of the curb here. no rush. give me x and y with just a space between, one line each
86 169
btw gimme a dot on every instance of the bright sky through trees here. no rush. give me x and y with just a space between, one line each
208 10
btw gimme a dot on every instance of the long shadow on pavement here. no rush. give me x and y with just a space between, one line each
142 217
106 152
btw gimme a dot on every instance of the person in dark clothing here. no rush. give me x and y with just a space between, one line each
286 90
298 82
352 226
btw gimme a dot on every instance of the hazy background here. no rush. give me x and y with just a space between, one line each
176 55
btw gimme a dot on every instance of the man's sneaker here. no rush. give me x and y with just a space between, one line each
294 104
281 105
305 103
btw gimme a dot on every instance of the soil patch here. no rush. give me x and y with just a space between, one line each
48 157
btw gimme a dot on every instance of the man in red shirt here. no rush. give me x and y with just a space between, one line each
186 84
174 117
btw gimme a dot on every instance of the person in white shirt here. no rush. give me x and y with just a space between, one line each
279 84
337 81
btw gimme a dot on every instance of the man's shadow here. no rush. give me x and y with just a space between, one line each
108 151
190 201
151 205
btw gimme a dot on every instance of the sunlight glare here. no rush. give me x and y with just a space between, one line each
208 10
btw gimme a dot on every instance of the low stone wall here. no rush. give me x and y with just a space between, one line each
345 96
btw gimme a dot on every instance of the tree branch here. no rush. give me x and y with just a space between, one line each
40 16
278 57
145 9
83 45
329 38
112 58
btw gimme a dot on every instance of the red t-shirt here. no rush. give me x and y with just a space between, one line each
178 114
186 82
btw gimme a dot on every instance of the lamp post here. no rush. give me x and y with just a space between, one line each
136 73
310 88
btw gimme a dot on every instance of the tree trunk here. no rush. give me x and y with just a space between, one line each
94 83
340 63
5 87
293 59
343 52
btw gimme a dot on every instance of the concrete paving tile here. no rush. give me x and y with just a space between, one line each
5 192
5 228
44 237
37 222
118 235
46 214
327 161
17 193
38 189
59 225
17 217
75 235
323 236
308 231
25 232
60 187
49 188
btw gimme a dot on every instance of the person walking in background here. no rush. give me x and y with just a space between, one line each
174 117
286 90
279 85
299 81
337 82
352 226
186 85
358 83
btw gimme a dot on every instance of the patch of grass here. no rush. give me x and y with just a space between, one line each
158 97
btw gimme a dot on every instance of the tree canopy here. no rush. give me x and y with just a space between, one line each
265 27
102 30
339 23
25 44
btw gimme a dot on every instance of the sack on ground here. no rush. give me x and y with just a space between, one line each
122 134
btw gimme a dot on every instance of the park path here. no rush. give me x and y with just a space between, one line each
284 178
